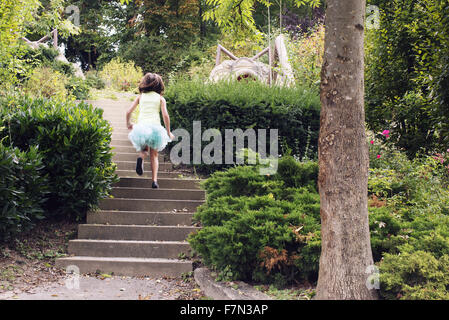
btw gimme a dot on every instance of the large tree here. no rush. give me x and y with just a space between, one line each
343 157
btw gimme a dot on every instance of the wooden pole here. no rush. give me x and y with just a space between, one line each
261 53
269 45
55 38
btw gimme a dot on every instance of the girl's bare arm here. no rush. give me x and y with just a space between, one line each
130 111
166 117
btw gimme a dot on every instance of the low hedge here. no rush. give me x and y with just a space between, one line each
262 228
73 140
295 112
267 228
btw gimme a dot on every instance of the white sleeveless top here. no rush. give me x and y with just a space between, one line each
149 108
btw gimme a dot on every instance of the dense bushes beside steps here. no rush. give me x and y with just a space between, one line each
240 105
263 228
23 188
267 228
73 140
409 223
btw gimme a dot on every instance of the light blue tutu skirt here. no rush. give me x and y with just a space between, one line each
152 135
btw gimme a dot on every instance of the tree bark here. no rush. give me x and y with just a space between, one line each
343 158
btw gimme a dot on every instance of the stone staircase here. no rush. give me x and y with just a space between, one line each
140 231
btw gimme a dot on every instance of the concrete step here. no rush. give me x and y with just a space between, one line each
121 142
124 131
134 232
132 267
155 205
123 156
146 174
123 149
164 183
119 136
139 218
131 165
149 193
124 248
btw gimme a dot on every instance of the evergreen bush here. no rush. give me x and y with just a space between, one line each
73 140
295 112
23 188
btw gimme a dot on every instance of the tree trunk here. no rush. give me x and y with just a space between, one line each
343 158
202 23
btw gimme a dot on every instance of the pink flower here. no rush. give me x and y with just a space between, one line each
372 142
378 156
386 133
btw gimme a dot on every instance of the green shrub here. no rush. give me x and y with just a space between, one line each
74 142
306 56
406 78
415 276
46 82
294 112
258 227
156 54
46 57
267 228
22 189
121 75
78 87
94 80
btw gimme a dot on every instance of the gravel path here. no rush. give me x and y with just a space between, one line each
111 288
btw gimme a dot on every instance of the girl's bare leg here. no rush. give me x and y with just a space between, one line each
154 163
140 160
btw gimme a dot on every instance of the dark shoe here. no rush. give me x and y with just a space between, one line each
154 185
139 166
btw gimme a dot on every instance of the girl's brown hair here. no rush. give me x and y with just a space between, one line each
152 82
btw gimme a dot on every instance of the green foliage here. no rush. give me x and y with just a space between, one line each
406 68
50 15
409 223
46 57
78 87
306 57
46 82
293 111
415 276
22 189
74 142
259 227
94 80
14 15
120 75
267 228
158 55
236 17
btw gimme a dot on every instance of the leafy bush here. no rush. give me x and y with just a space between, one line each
22 189
294 112
406 66
46 57
260 227
46 82
267 228
415 276
94 80
409 223
306 57
74 142
156 54
121 75
78 87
